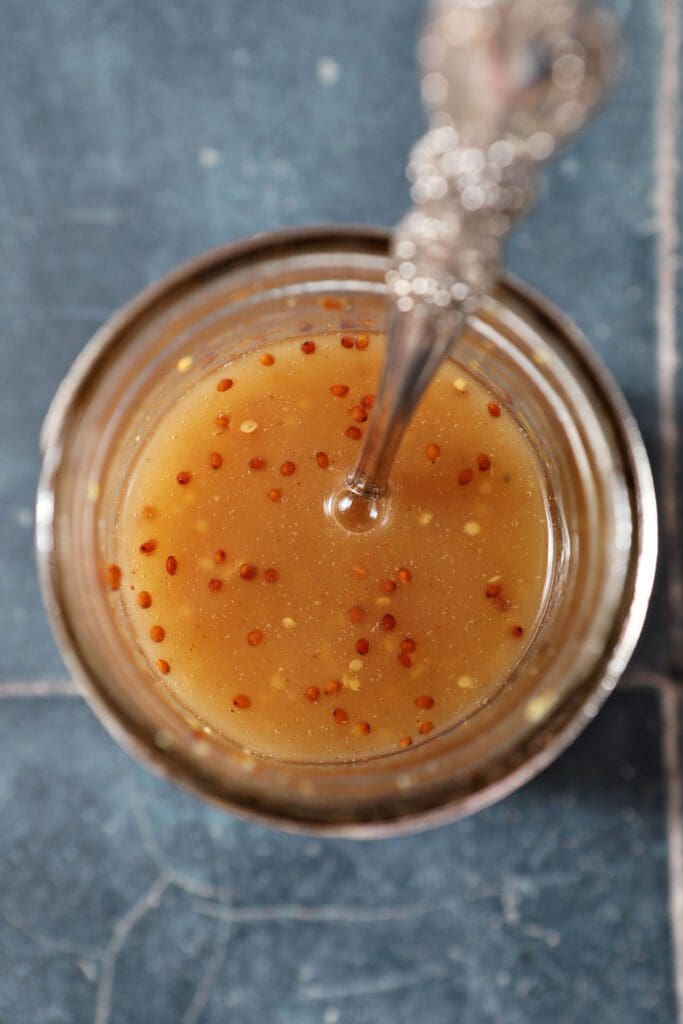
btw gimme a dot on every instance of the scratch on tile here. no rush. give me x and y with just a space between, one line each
38 688
321 913
671 709
393 982
665 203
632 680
45 942
122 929
154 851
207 982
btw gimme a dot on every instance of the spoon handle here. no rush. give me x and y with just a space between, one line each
506 81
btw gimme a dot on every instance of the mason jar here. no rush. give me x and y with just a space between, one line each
599 493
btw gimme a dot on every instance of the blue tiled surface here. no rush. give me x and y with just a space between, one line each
135 135
550 906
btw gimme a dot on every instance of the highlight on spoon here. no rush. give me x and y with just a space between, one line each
357 512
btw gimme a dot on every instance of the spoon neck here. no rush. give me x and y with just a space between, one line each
419 338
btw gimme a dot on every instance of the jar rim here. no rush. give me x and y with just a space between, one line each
563 723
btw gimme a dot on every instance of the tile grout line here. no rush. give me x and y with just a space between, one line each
670 700
665 204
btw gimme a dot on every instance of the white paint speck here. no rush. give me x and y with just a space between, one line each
209 157
24 518
328 71
570 167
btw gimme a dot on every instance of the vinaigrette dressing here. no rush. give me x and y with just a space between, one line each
290 635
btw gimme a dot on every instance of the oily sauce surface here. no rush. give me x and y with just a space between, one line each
277 628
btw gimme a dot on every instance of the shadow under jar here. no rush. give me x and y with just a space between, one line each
601 515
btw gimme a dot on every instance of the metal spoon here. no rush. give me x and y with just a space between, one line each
506 82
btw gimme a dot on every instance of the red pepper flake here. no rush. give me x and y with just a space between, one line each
222 421
363 728
387 586
405 743
367 401
330 303
424 703
215 584
340 716
157 634
517 631
215 460
148 547
323 459
144 599
171 565
346 341
266 359
362 646
355 433
113 577
312 693
484 463
408 645
362 342
433 452
334 686
257 462
425 728
405 659
219 556
163 666
404 575
356 614
247 571
358 414
271 575
493 589
387 623
287 468
183 477
494 409
339 390
254 637
308 348
225 384
464 476
241 701
274 495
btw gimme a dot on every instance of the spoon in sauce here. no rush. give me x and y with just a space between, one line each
506 82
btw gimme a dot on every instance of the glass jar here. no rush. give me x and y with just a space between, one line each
600 496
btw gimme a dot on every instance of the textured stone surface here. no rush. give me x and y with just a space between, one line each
135 135
131 896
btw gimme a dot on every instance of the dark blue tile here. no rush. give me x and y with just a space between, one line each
152 132
551 905
106 183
